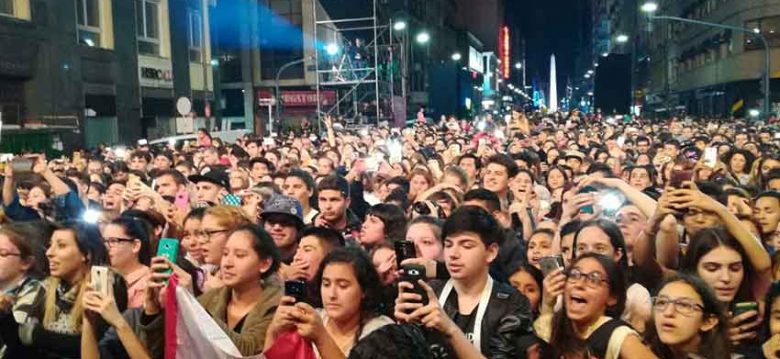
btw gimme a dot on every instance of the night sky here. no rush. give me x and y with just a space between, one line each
547 30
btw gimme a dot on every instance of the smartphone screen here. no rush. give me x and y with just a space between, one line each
710 157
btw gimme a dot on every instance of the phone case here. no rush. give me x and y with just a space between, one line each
168 248
182 200
404 250
549 264
99 280
231 200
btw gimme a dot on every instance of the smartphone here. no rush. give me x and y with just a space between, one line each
182 200
710 157
231 200
744 307
295 289
168 248
413 273
550 263
589 208
99 280
22 165
680 177
403 251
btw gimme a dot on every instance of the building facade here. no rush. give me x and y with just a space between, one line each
101 76
702 69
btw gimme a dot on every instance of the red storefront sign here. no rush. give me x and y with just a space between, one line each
303 98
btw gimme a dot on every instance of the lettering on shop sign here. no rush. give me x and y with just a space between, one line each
152 73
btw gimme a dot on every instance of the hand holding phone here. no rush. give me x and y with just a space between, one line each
412 274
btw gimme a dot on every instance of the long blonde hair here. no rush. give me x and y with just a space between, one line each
230 217
50 309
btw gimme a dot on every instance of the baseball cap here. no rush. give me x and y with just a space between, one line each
216 176
284 205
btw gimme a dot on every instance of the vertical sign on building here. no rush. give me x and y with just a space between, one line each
504 49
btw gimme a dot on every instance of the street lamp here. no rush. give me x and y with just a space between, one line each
754 113
399 26
622 38
649 6
456 56
519 65
423 37
587 76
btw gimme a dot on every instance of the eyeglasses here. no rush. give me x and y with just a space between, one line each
592 279
205 236
113 241
6 254
681 305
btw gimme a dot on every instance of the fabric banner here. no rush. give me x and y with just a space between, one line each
190 332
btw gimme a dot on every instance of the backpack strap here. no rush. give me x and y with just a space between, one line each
598 341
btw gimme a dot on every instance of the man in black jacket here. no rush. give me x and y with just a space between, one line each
470 314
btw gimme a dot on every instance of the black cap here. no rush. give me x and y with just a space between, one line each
214 175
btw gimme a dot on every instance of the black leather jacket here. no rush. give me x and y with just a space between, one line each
507 328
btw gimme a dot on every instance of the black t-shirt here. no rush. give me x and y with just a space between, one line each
466 323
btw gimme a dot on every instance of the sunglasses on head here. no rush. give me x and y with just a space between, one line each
423 209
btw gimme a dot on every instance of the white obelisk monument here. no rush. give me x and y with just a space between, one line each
553 86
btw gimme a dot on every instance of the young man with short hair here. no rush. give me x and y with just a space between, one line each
499 172
301 186
472 165
211 186
333 197
169 183
474 314
314 246
283 218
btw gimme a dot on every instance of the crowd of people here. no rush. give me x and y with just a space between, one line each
565 235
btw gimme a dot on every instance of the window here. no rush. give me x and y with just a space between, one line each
196 35
7 7
274 57
147 16
88 19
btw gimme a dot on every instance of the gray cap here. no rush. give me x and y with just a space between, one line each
284 205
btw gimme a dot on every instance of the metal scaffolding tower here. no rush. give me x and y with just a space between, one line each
351 63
